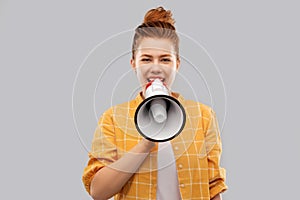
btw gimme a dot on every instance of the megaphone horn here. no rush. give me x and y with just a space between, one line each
160 117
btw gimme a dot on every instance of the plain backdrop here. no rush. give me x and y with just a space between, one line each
43 44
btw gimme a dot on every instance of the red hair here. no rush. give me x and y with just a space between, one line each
158 23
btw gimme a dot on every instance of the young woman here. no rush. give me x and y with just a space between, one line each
125 165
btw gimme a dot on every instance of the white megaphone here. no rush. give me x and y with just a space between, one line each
160 117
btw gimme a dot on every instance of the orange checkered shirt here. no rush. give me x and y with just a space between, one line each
197 151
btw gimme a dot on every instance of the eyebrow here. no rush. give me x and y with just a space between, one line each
164 55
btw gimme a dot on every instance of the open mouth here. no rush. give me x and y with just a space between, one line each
152 79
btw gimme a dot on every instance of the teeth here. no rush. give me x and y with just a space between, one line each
151 79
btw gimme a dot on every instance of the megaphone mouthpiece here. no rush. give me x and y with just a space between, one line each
156 87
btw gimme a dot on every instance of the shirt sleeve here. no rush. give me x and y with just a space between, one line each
103 151
217 174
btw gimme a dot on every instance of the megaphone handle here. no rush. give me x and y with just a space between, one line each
158 108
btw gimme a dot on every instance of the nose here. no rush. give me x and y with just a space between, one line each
155 69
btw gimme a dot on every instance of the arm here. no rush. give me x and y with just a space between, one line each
217 174
110 179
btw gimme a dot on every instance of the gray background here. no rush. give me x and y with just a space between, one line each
44 43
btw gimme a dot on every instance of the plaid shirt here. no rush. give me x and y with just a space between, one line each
197 151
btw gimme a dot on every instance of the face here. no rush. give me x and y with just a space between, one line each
155 58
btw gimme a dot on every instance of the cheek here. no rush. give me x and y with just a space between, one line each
172 72
142 70
171 76
140 75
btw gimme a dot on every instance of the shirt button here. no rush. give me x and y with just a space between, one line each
176 148
182 185
180 166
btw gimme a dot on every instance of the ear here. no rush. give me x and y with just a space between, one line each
177 64
132 63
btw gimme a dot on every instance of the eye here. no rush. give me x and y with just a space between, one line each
166 60
145 60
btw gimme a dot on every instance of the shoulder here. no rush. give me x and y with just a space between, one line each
195 106
119 108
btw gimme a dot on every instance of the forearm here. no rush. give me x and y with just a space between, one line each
217 197
110 179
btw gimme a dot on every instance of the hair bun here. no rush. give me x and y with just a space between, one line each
159 14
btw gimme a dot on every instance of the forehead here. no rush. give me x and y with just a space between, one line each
155 46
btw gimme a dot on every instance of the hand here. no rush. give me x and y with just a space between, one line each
217 197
